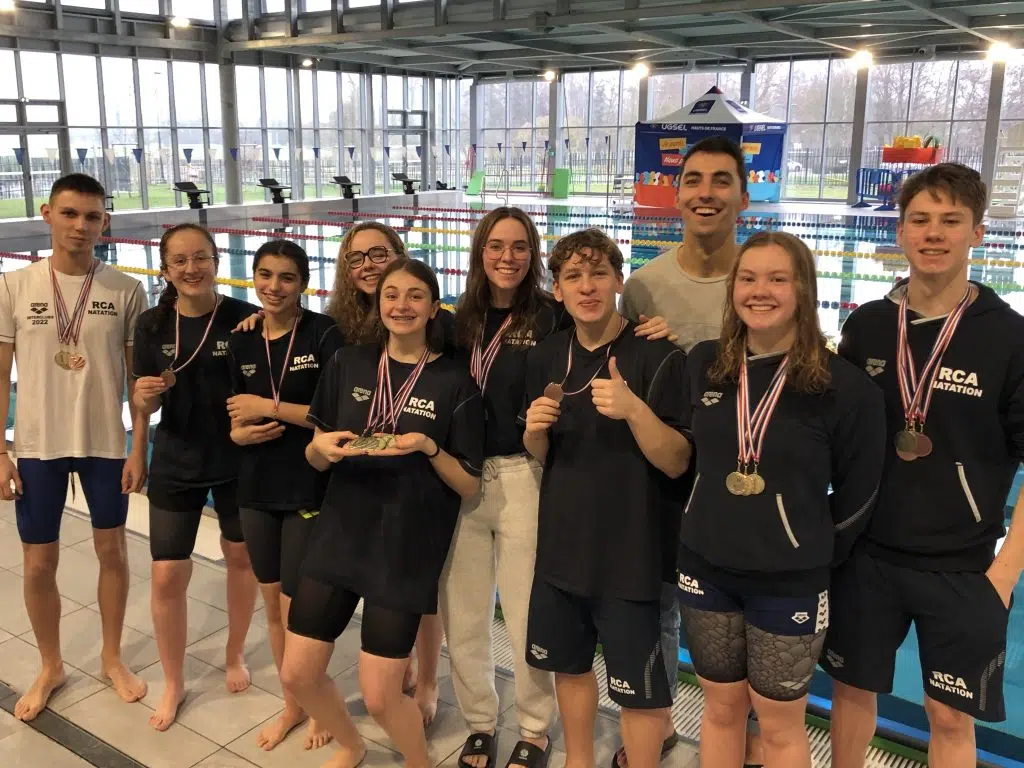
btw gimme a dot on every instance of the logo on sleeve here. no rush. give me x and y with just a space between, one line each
304 362
248 369
103 308
711 398
360 395
168 350
874 366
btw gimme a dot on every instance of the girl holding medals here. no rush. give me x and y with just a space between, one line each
182 367
775 419
400 429
274 374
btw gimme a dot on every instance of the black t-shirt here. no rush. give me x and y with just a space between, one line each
607 515
386 523
506 383
275 475
192 447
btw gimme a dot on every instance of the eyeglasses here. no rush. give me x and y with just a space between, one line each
181 262
378 255
496 249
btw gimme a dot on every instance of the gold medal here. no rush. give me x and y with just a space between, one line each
737 484
756 483
169 377
906 441
554 392
62 358
372 442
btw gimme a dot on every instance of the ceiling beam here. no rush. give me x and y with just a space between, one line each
788 29
949 16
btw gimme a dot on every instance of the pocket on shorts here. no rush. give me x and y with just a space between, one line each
995 594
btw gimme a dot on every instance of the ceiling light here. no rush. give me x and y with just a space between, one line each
640 69
865 26
549 75
180 22
307 62
1000 51
6 6
862 59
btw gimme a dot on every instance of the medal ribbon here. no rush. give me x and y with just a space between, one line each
68 329
751 429
915 392
276 390
177 337
382 408
607 355
480 361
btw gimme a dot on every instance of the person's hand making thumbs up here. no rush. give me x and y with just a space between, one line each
613 397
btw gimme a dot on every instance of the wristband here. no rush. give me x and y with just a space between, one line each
434 454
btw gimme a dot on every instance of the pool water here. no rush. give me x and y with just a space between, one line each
857 262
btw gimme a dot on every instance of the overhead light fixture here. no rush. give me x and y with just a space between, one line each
641 70
307 62
549 75
862 59
180 22
1000 51
6 6
865 26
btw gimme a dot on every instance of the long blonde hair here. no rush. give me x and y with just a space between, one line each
354 311
808 369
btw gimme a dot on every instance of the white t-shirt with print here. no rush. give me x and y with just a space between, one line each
61 413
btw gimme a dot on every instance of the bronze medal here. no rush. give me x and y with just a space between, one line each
756 484
62 358
906 442
554 392
76 362
924 445
169 377
906 455
737 484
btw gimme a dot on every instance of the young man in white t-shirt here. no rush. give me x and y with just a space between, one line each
70 321
687 286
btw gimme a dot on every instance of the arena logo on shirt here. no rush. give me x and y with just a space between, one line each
960 382
420 407
103 308
168 350
221 350
950 684
38 310
711 398
360 395
874 366
304 362
248 369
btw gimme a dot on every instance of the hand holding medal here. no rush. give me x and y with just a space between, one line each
335 446
916 392
751 429
385 408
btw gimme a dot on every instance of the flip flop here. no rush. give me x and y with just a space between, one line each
666 746
477 744
529 755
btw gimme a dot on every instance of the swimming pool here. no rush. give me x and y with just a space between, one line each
857 262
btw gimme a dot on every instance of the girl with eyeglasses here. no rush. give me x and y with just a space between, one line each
503 314
181 366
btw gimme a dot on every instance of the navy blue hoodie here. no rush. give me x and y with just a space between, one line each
945 512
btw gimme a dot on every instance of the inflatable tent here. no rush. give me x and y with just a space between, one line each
661 144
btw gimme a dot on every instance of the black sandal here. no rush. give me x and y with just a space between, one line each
529 755
666 746
485 744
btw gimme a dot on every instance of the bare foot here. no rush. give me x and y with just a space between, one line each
167 710
237 677
316 735
34 701
274 733
426 700
411 670
128 686
346 757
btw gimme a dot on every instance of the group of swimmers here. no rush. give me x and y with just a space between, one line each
689 457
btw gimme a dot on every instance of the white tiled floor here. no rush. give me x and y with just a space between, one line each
215 729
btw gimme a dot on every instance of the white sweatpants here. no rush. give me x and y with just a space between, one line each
495 544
